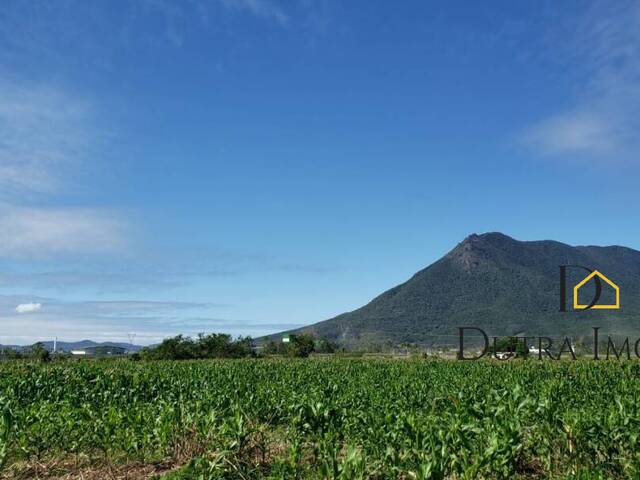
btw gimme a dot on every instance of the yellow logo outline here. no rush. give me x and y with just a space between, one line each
576 289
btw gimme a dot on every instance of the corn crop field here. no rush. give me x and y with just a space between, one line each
327 418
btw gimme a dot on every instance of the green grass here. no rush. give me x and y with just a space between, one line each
329 418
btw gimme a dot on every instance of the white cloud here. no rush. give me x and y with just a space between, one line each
42 232
581 132
604 56
28 307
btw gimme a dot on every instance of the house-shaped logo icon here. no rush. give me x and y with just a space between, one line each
598 277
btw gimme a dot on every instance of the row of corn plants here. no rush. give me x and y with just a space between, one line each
341 419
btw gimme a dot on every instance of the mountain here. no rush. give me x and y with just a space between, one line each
504 286
68 346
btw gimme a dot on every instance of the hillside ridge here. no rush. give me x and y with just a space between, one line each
494 282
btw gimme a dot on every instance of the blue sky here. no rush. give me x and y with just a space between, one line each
248 166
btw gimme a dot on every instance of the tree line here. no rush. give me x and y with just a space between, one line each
34 352
214 345
299 346
222 345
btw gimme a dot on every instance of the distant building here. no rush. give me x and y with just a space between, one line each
99 351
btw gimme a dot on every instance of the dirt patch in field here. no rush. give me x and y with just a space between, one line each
262 446
72 469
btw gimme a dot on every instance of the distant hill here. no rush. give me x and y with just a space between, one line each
497 283
68 346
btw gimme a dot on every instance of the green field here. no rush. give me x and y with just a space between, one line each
320 419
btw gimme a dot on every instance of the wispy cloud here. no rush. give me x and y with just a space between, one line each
603 51
44 232
142 270
113 320
40 29
587 132
43 132
93 278
46 135
260 8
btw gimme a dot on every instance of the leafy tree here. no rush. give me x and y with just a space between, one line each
212 346
273 348
301 345
326 346
215 345
39 353
174 348
297 346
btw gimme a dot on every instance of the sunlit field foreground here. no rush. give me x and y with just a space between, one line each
320 419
